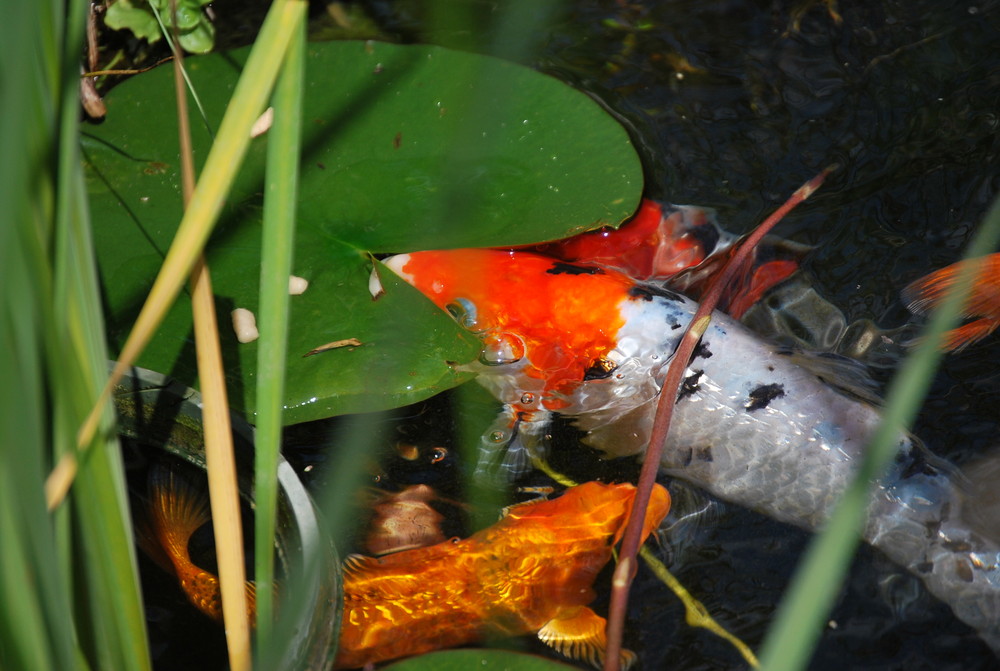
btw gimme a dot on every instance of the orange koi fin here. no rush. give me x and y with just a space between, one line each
764 278
176 510
581 636
958 339
984 300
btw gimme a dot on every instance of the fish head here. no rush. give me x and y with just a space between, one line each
546 325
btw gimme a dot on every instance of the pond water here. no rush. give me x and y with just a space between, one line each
732 107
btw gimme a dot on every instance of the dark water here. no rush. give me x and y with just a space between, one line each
733 108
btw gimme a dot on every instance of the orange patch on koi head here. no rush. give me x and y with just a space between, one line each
562 318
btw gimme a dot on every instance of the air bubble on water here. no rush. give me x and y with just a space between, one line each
501 348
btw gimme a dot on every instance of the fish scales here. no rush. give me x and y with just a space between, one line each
531 572
751 425
500 581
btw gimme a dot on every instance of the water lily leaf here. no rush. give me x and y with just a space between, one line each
460 660
405 147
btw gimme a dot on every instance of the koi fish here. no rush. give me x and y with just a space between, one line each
658 242
403 520
176 510
685 246
752 425
983 303
501 581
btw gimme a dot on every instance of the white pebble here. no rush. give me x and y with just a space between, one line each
297 285
245 325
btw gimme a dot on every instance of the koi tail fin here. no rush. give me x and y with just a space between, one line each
581 636
509 446
983 302
177 510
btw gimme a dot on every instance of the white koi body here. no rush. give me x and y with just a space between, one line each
751 426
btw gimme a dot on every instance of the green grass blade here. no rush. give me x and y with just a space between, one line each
805 609
111 608
281 187
36 615
36 627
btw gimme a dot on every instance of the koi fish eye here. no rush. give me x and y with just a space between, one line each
464 312
438 454
501 348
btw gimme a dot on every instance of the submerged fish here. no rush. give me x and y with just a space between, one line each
751 424
983 303
176 510
531 572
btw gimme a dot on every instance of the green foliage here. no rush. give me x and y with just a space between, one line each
69 594
404 148
195 31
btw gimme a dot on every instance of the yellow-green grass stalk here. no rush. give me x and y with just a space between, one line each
219 459
805 608
221 167
281 188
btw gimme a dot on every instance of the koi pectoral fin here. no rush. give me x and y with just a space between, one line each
581 636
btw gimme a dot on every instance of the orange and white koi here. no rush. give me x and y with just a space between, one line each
751 425
983 303
685 246
531 572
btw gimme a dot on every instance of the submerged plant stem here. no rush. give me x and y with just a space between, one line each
695 613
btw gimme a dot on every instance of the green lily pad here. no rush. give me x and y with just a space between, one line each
404 148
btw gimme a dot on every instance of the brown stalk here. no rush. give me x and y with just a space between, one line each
626 568
221 465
